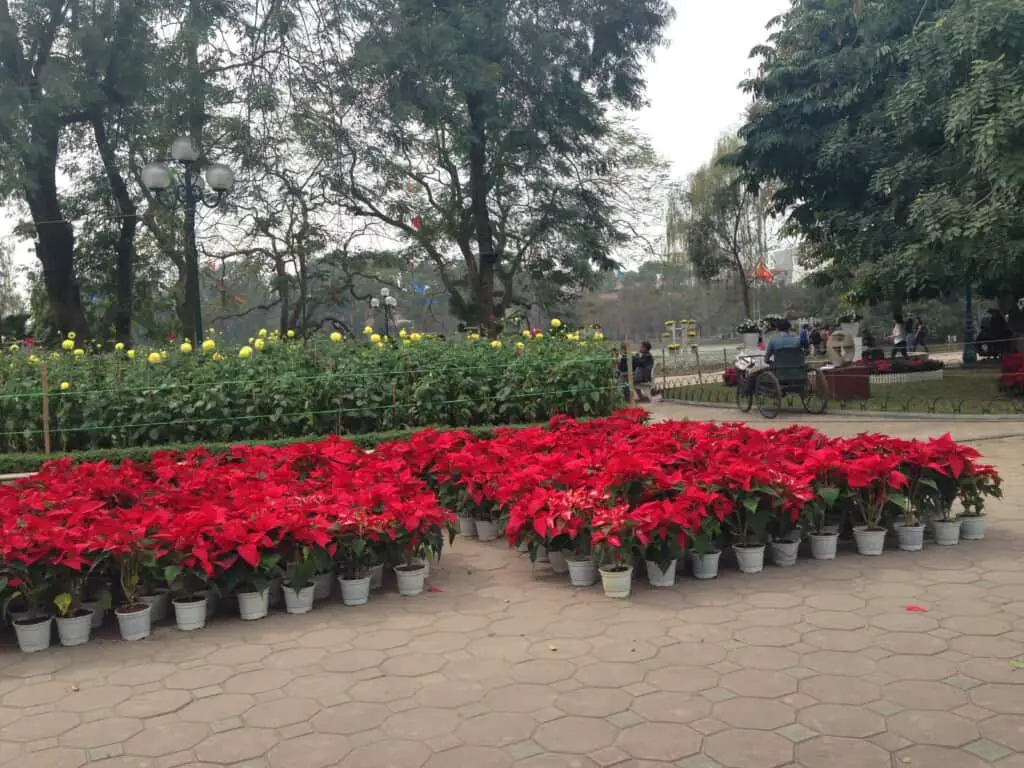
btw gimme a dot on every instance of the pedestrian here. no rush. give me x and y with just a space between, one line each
898 337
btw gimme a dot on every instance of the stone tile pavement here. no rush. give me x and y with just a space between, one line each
819 666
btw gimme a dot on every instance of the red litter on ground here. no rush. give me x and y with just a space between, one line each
434 589
915 609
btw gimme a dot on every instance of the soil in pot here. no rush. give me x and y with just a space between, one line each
76 628
705 566
824 545
299 601
134 621
411 578
749 558
869 541
910 537
33 633
582 571
617 580
355 591
190 612
947 532
972 527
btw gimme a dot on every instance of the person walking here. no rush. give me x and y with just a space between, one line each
921 337
898 336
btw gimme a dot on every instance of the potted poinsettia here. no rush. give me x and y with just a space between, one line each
876 485
975 486
74 620
190 601
133 616
613 534
354 556
749 523
27 587
247 575
300 572
664 523
704 550
824 537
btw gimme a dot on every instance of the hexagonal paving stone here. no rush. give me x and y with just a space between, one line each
392 753
839 663
759 683
350 717
90 698
165 738
520 697
495 729
413 664
384 689
659 741
112 730
577 735
842 720
421 723
748 749
940 757
683 679
351 661
152 703
55 757
542 671
941 729
313 750
477 757
833 752
554 761
258 681
451 693
237 745
920 694
219 707
282 712
1006 729
593 702
610 674
754 713
833 689
198 677
34 695
1003 699
36 727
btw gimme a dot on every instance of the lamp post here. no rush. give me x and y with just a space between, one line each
189 191
388 303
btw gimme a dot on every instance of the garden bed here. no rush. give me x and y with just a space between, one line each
607 492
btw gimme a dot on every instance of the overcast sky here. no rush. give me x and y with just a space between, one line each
692 86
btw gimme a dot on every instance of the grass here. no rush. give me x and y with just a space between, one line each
959 391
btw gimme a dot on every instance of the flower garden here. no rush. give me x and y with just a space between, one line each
594 498
279 387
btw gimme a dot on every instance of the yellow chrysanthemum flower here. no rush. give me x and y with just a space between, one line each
259 344
245 352
209 345
263 333
79 352
131 354
416 337
556 323
186 348
496 344
367 330
290 334
67 344
154 358
335 337
375 338
598 336
520 345
65 386
72 335
119 347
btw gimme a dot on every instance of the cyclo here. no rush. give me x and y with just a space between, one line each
787 374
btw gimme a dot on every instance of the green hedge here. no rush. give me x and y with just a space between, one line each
292 389
19 463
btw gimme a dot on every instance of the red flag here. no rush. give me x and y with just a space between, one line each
761 272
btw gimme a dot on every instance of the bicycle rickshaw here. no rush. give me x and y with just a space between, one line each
787 374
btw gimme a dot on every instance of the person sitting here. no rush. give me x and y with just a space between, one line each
643 369
782 340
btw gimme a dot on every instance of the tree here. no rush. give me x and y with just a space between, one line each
482 135
894 133
719 225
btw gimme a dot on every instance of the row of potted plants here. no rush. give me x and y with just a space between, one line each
609 491
184 530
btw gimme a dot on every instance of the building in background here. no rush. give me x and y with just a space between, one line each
783 265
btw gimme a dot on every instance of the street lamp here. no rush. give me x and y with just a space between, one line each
189 191
389 303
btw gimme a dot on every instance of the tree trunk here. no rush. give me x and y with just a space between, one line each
124 250
479 186
55 249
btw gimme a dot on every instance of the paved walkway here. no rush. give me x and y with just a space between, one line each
819 666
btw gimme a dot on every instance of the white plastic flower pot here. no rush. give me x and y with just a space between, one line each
750 340
33 634
212 601
582 571
377 576
784 553
617 580
253 606
355 591
824 545
467 527
661 578
135 621
749 559
75 630
323 585
299 601
972 527
276 594
411 579
158 604
947 532
542 555
910 537
96 621
190 613
557 562
486 530
705 566
869 542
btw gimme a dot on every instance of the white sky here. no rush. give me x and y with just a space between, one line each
692 86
